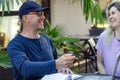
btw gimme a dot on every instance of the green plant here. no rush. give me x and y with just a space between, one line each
6 5
90 9
4 59
60 40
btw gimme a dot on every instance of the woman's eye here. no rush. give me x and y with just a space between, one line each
108 15
113 13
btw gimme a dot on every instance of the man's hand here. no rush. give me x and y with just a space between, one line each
65 61
65 71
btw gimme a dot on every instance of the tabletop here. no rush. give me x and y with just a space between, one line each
86 37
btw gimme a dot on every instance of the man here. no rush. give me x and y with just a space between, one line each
32 54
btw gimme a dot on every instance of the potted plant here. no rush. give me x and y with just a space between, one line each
95 31
92 9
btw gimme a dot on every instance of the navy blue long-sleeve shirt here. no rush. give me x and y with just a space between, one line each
32 58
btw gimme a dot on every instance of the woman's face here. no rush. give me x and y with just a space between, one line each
114 17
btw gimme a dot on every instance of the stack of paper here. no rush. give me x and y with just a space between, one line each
60 76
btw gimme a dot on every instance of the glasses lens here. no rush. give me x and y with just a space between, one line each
40 13
37 13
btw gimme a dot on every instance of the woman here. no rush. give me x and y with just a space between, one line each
108 45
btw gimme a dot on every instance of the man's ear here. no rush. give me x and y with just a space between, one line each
25 18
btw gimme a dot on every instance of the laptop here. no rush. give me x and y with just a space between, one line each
100 76
95 77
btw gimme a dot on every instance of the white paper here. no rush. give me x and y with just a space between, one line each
75 76
60 76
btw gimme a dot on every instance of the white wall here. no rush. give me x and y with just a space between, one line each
69 15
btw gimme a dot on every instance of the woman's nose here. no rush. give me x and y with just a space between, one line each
110 17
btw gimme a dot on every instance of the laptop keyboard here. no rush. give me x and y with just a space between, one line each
90 76
94 78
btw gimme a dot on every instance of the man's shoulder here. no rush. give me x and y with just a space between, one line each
44 35
16 40
102 35
17 37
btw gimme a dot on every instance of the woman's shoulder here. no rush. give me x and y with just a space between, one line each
102 35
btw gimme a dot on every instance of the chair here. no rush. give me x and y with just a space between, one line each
2 39
92 54
89 54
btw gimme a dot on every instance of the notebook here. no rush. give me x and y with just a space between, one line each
60 76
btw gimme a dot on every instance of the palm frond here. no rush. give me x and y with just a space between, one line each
90 9
4 59
7 4
59 38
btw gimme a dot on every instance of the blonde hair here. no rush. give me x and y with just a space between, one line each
110 33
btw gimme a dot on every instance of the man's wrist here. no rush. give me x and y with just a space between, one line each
57 64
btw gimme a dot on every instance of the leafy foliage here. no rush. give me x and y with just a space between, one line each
4 59
7 4
62 42
90 9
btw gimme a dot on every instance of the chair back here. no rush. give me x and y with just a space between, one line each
92 45
89 54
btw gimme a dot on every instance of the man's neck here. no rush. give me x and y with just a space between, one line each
30 35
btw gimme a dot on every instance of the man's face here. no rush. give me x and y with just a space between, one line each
36 20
